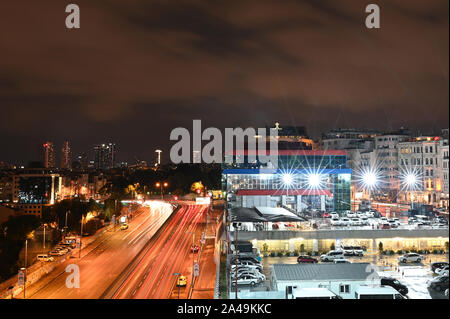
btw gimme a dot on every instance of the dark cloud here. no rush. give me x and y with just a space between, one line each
137 69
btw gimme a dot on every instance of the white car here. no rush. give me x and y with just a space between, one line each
335 222
351 215
256 275
370 214
442 271
356 222
332 255
246 280
345 221
241 266
411 257
334 215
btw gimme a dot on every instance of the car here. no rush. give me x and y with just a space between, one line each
250 266
124 226
384 219
326 215
335 221
181 281
44 257
306 260
257 275
442 271
357 251
394 283
342 261
55 253
345 221
243 258
393 223
355 222
437 265
370 214
332 255
334 215
384 226
411 257
439 283
195 248
348 250
351 215
246 280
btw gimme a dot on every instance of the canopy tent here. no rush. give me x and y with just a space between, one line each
263 214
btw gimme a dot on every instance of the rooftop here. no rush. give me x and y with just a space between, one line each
307 272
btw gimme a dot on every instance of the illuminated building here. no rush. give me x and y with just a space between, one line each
49 155
66 156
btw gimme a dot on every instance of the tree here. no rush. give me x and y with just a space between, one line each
380 246
332 247
302 248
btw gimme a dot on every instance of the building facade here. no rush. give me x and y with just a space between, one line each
304 180
105 156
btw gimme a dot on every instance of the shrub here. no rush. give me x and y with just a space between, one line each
272 254
296 254
280 254
434 251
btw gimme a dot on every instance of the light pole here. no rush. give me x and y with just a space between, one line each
162 185
370 180
25 277
65 225
81 236
193 260
43 244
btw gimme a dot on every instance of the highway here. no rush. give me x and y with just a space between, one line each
151 274
104 259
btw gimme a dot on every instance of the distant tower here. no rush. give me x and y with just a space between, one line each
66 156
49 155
158 157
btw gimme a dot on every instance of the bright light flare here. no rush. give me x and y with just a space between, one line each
288 179
314 180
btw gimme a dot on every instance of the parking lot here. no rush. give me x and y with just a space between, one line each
414 275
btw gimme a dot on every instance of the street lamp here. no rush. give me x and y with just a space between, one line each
162 185
43 244
411 181
314 180
65 227
370 181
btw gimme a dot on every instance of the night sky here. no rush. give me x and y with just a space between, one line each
137 69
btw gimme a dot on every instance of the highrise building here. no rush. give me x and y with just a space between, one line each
49 155
104 156
66 156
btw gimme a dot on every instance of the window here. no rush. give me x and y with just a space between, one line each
344 289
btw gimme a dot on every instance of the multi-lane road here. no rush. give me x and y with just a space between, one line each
134 263
151 275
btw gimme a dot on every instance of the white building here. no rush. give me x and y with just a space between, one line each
423 157
341 279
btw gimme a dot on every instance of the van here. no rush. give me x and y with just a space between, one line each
332 255
377 292
45 257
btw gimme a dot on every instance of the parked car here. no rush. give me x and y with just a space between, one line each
345 221
411 257
439 283
45 257
335 221
246 280
394 283
348 250
355 222
384 226
393 223
55 253
437 265
351 215
334 215
307 260
259 276
442 271
358 251
332 255
249 266
242 258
